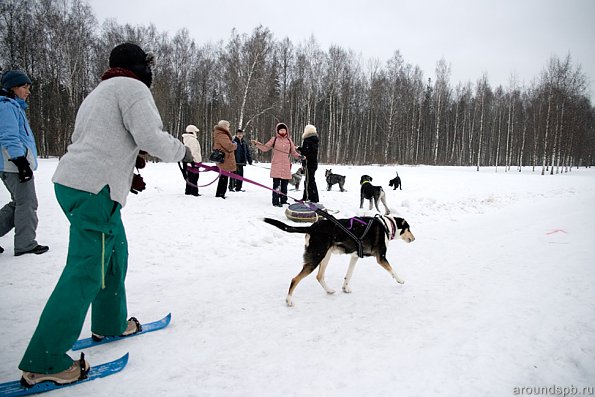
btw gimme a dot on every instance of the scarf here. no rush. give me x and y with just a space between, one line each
118 72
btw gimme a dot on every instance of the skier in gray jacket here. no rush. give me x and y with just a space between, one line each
116 121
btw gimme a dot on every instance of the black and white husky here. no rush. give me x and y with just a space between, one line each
324 238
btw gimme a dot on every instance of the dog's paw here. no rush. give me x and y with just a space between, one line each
289 301
330 291
346 289
397 278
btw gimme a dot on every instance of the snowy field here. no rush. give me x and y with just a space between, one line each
499 290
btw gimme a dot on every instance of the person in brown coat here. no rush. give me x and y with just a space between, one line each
222 141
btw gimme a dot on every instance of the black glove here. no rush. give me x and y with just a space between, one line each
140 162
138 184
25 172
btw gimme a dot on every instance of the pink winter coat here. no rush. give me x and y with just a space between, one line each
280 162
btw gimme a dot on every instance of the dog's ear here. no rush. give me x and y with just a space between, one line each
401 223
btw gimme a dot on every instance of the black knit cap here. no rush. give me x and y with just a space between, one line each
126 55
132 57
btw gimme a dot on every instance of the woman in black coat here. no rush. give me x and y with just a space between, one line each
309 150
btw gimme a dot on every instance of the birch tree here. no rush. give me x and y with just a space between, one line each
482 88
440 100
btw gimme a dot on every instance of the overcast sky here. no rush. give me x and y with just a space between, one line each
498 37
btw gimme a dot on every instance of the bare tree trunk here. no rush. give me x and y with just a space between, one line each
522 148
509 131
418 132
499 126
437 127
559 128
480 138
455 133
546 134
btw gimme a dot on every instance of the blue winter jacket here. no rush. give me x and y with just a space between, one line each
16 137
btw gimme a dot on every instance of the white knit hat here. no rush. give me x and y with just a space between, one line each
192 128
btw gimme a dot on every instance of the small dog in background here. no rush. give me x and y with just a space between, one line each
395 182
331 179
372 193
296 178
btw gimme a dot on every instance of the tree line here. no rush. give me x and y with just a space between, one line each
366 112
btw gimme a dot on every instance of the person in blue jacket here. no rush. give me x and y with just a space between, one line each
18 156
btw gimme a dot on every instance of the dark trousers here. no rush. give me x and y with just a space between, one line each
310 188
222 186
191 188
236 184
280 198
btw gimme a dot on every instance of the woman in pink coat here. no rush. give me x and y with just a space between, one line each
283 148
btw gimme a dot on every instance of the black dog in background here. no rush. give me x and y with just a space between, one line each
396 182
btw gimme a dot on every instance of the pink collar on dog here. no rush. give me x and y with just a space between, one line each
392 233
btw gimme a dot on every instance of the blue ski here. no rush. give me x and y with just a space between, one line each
14 388
149 327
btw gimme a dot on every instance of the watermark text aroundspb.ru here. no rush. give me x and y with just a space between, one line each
554 390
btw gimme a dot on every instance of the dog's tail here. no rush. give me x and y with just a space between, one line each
287 228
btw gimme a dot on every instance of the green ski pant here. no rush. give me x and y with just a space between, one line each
94 275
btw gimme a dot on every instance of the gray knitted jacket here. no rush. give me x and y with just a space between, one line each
114 122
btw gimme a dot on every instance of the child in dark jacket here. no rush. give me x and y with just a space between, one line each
243 157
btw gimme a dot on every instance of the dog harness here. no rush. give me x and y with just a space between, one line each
390 232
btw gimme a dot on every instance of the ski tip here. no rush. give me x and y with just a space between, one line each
124 359
167 319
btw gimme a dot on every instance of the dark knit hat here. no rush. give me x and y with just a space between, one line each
126 55
14 78
131 57
240 131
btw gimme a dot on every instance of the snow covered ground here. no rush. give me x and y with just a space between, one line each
499 290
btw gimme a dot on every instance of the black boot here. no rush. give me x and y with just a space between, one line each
37 250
